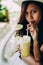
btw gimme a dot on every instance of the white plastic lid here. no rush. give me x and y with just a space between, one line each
27 38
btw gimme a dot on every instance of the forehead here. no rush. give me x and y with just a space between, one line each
32 6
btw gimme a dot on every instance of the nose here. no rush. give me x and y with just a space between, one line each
30 16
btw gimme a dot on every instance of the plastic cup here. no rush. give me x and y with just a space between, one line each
25 46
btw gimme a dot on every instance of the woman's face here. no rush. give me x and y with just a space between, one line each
33 14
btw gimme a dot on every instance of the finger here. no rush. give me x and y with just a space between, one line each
41 48
28 25
32 28
16 50
31 25
32 31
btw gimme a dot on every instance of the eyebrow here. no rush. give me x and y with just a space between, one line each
31 9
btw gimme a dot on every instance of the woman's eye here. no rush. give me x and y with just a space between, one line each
34 11
26 12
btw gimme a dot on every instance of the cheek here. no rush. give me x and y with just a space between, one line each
37 17
26 17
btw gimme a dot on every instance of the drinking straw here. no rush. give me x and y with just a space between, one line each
27 31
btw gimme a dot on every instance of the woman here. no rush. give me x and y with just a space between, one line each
32 19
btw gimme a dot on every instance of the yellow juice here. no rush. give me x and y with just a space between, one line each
25 48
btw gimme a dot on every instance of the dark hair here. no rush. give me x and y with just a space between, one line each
24 21
23 11
25 5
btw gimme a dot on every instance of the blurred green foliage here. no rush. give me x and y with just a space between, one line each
3 14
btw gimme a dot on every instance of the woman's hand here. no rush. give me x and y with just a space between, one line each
18 48
33 30
30 60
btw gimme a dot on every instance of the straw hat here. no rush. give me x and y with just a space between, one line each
39 0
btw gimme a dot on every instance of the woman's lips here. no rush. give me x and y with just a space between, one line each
31 24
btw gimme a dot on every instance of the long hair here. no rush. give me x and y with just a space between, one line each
25 5
23 13
24 22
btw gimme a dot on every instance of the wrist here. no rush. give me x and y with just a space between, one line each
35 42
35 39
